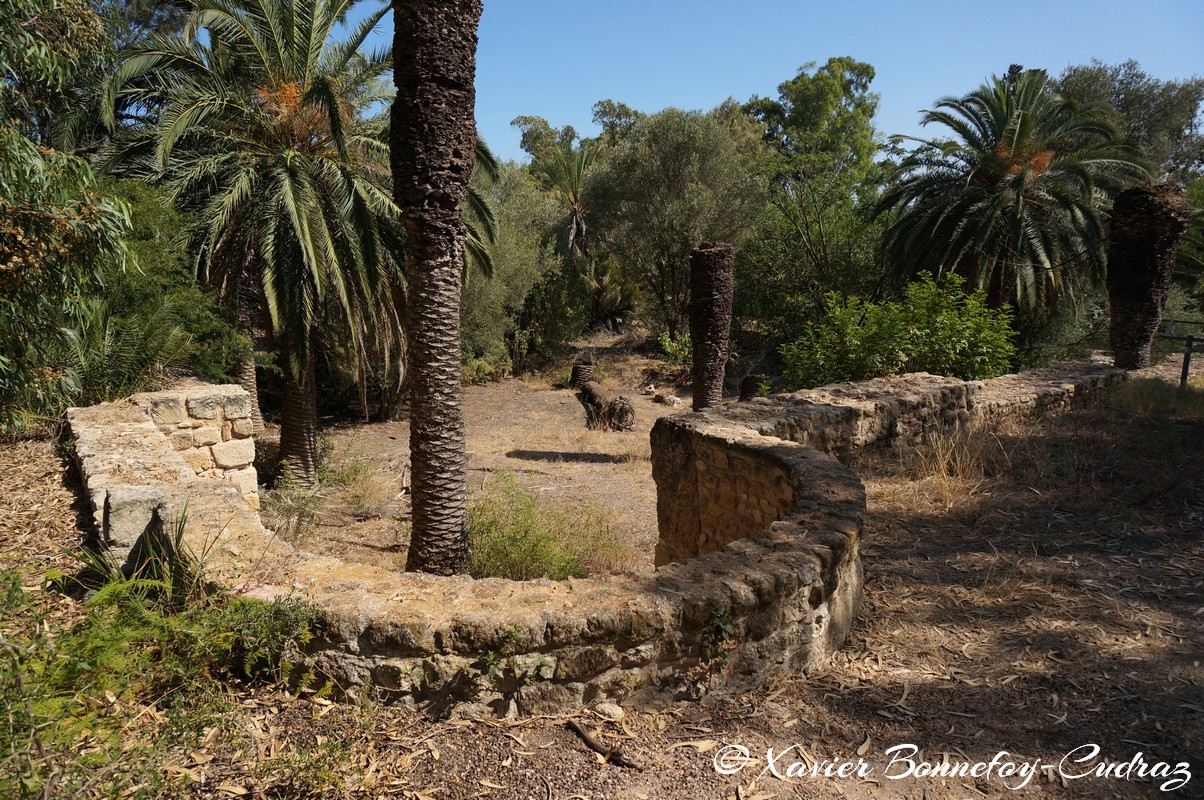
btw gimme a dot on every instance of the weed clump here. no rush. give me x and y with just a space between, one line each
512 537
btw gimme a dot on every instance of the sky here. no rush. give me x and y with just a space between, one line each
556 58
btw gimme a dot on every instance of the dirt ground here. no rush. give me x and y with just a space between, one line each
1030 596
530 430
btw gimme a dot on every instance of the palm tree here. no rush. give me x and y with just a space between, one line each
561 168
262 132
433 141
1013 201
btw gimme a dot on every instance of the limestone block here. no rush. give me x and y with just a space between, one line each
181 439
164 409
198 460
550 698
205 407
236 405
227 431
234 454
245 479
127 511
242 428
582 663
203 437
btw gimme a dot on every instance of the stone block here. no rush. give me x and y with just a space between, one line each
203 437
227 431
550 698
127 511
205 407
245 479
164 409
242 428
198 460
181 439
583 663
236 405
234 454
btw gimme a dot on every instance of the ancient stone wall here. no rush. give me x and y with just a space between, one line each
210 427
760 570
713 489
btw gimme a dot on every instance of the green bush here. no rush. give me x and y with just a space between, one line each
512 537
678 350
937 327
136 646
161 275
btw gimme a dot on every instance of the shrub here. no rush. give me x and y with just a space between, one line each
678 349
512 537
937 327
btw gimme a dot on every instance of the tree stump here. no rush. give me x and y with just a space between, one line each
603 412
750 387
712 266
1147 223
583 372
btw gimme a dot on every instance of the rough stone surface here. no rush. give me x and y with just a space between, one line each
759 554
234 454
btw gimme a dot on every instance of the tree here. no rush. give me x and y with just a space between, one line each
58 236
262 135
433 138
816 235
676 181
823 114
1161 117
1147 222
616 120
1011 203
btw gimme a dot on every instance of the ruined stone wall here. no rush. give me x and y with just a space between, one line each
210 427
776 604
760 573
713 489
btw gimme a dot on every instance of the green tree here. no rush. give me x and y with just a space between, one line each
58 236
431 147
1008 203
616 120
491 316
816 234
263 137
1161 117
677 180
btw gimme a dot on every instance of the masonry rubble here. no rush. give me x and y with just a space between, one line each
759 570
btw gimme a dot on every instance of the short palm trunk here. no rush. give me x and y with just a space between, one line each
712 269
1147 223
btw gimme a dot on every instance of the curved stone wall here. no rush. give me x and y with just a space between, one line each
760 573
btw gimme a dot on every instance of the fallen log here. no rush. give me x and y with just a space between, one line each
603 412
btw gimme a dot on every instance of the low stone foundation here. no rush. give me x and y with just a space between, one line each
713 489
760 570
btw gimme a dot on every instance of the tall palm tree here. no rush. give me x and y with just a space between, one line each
1013 200
562 168
263 133
433 141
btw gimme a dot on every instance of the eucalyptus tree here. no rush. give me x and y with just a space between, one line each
1012 200
263 132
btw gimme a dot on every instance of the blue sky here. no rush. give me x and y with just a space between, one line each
556 58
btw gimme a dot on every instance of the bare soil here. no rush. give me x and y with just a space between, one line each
1027 594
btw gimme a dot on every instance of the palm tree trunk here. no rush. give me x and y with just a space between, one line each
248 381
1147 222
298 419
712 267
433 136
